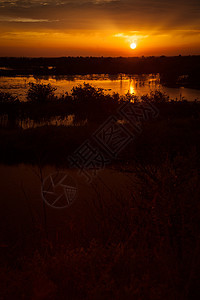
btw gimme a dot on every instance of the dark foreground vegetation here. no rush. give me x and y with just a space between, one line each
140 244
174 71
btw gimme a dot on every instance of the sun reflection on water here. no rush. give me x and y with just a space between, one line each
131 87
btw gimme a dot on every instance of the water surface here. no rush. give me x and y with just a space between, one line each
137 84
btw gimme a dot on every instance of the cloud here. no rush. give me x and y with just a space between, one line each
131 37
31 3
23 20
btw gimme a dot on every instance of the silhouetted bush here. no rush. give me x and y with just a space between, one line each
87 92
8 98
156 97
130 97
40 92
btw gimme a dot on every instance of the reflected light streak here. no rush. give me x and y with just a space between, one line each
131 88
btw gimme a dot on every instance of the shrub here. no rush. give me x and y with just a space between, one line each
87 92
8 98
157 97
131 97
40 92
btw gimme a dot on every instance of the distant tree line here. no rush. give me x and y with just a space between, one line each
170 68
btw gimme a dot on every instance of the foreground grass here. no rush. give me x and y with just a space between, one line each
143 244
140 244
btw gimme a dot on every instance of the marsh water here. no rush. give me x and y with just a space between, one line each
120 83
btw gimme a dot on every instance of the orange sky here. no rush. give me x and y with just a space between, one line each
99 27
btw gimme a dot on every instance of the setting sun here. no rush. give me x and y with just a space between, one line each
133 45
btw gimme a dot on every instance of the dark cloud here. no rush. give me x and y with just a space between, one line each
129 14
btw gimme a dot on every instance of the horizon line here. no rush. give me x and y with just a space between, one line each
80 56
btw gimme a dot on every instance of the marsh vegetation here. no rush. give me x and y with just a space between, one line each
139 242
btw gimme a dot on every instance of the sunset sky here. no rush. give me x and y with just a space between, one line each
99 27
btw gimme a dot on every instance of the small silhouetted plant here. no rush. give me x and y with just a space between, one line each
131 97
41 92
8 98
